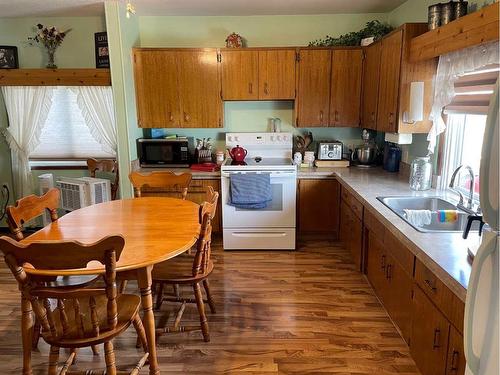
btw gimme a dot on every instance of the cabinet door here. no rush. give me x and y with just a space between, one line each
356 243
370 86
197 193
240 71
319 204
388 95
345 101
376 265
456 357
313 94
156 89
277 74
398 301
345 224
199 89
429 337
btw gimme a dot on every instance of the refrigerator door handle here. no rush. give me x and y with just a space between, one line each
486 249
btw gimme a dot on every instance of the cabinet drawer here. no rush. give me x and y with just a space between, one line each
452 307
373 224
404 256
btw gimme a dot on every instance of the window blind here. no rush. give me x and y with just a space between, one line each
66 135
473 92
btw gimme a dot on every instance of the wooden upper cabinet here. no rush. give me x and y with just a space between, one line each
277 74
240 72
313 94
156 84
199 89
429 335
345 101
370 86
388 93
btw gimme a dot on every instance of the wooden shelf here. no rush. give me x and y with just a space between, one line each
474 29
55 77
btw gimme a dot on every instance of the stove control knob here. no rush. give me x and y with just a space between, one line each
285 138
229 138
236 139
279 138
271 138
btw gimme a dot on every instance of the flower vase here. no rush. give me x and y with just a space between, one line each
51 64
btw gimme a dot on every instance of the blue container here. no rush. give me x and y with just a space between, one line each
392 157
154 133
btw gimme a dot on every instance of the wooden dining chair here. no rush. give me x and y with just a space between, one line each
160 183
190 270
105 165
75 317
25 210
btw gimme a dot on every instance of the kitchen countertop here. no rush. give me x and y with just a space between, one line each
445 254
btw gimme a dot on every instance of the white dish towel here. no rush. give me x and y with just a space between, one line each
418 218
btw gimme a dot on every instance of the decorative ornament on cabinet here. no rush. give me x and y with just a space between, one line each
234 40
51 38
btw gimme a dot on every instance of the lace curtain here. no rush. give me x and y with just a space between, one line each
96 104
450 68
27 110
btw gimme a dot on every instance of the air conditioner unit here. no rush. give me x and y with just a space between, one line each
82 192
45 183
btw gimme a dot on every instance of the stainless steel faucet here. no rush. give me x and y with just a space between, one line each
460 204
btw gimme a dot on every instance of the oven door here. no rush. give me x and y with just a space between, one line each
280 213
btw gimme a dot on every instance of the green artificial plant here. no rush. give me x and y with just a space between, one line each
374 28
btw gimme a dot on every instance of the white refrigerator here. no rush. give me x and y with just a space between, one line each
481 330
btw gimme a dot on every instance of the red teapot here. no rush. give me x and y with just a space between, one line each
238 153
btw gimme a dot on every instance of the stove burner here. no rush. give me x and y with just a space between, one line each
258 159
234 162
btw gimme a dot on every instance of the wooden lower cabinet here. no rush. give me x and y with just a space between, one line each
376 263
351 233
455 365
345 218
318 206
429 337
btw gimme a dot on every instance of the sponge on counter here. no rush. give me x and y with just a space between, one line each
447 216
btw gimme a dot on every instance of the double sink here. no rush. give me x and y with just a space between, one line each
399 204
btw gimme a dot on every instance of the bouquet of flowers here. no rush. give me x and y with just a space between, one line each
51 38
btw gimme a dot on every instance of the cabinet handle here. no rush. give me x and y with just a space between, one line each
336 116
321 116
382 262
429 284
454 361
250 88
437 338
388 272
186 117
391 118
373 116
266 91
171 116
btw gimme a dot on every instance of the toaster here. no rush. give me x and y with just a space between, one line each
330 150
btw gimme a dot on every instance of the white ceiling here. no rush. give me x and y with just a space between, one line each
27 8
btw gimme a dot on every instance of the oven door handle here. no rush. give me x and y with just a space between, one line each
274 174
259 234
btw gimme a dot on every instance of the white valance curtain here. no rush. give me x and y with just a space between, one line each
451 66
96 104
27 110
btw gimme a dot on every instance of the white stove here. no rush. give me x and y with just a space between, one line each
272 227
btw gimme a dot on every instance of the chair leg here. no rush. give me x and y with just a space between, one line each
201 311
176 291
210 300
109 356
35 335
141 333
53 359
95 350
123 285
159 296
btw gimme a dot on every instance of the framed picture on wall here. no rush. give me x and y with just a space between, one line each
101 50
8 57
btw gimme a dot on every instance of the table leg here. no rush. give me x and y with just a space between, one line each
26 332
144 280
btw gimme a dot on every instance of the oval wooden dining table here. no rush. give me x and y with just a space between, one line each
155 229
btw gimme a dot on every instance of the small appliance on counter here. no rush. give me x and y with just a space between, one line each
365 155
392 157
329 150
161 152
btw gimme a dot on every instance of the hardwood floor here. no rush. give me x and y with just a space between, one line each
303 312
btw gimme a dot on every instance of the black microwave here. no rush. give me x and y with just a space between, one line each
163 152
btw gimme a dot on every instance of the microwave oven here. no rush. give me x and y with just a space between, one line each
163 152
